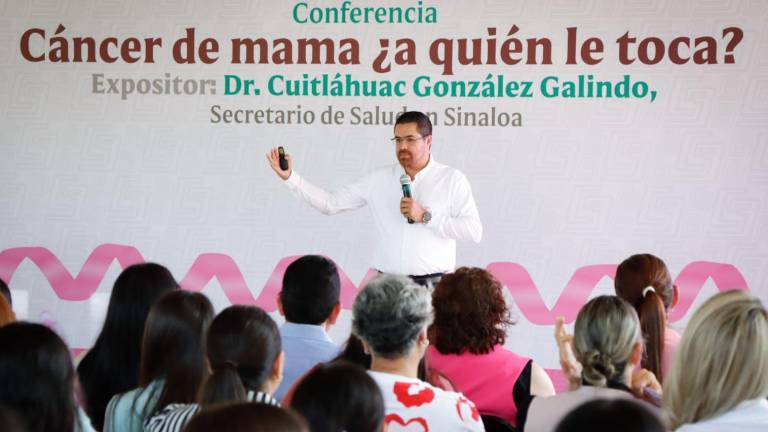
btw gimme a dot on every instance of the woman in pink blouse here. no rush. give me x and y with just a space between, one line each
468 336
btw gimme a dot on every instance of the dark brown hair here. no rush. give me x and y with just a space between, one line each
111 367
36 377
470 312
423 124
243 343
339 396
172 347
246 417
633 276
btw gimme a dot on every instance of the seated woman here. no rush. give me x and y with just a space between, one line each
339 396
608 345
719 378
644 281
173 364
112 366
468 336
37 379
246 360
390 316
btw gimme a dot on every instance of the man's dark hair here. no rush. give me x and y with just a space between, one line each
5 292
418 117
310 290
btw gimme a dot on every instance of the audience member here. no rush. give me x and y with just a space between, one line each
644 281
246 361
609 415
390 315
112 366
173 364
309 300
468 336
247 417
607 343
719 378
37 378
337 397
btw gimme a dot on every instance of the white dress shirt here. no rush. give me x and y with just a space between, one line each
409 249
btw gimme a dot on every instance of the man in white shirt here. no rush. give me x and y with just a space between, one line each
441 206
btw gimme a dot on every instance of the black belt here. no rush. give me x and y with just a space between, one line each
425 280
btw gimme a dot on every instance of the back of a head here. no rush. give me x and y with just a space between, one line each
605 335
644 281
608 415
112 365
246 417
424 124
242 345
470 312
310 290
173 343
339 396
389 313
722 359
37 377
10 421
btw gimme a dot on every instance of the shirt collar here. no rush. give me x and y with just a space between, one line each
307 331
261 397
424 171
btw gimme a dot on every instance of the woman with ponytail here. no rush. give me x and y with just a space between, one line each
644 281
246 361
608 346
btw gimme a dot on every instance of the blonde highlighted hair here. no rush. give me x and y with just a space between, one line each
722 360
605 335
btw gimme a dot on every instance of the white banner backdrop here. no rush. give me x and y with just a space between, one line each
91 171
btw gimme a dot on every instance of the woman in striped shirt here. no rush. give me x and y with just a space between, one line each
246 360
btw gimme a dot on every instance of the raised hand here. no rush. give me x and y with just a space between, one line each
274 161
568 362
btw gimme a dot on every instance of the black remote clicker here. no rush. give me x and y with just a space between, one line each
283 161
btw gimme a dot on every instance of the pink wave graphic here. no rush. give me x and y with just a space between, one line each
209 266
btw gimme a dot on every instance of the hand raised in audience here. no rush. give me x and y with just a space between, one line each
273 157
568 363
646 386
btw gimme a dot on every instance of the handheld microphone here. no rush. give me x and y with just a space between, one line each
405 182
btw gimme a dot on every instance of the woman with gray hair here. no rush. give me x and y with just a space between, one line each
608 346
390 315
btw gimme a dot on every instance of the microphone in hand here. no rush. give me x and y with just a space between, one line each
405 183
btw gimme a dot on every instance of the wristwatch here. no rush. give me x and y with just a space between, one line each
426 217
